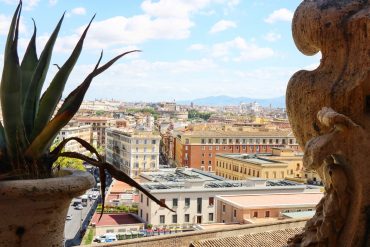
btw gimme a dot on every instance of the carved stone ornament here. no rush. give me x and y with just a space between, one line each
329 110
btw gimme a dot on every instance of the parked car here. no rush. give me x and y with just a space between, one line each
69 217
106 238
76 203
79 207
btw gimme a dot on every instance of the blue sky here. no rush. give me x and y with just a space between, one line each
191 48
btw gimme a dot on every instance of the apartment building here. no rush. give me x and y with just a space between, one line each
198 148
132 150
73 129
280 164
98 125
248 208
191 193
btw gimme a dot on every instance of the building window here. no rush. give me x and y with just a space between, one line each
161 219
210 147
210 217
217 148
209 162
234 213
267 214
210 155
174 218
146 217
244 147
202 154
199 205
202 162
217 141
209 168
174 202
211 201
224 147
187 218
147 201
186 147
163 201
141 198
223 208
203 147
153 142
203 141
187 202
145 141
187 141
210 141
255 214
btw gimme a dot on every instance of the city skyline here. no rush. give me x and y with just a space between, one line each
190 49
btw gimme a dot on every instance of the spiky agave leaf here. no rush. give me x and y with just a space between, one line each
29 63
53 94
103 166
70 106
31 102
11 97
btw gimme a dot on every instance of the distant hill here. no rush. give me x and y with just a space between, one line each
223 100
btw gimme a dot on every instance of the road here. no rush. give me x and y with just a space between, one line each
80 220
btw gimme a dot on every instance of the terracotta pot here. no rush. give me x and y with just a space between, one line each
33 212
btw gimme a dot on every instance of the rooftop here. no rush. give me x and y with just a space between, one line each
272 200
190 179
220 133
253 159
114 219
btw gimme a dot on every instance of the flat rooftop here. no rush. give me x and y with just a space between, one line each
191 179
253 159
114 219
272 200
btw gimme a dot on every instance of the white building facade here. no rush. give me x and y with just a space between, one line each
191 194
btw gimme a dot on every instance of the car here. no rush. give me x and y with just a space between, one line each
94 197
79 207
76 203
106 238
69 217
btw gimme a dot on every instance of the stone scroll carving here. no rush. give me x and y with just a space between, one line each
329 110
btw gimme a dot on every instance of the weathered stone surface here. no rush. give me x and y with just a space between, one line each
329 110
33 212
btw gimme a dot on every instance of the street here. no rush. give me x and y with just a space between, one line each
79 220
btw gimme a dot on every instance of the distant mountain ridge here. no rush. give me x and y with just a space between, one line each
223 100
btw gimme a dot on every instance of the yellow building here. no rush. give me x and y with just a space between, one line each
133 151
282 163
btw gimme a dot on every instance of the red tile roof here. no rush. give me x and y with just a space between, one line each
114 219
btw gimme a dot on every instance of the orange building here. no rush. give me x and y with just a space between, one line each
253 208
198 149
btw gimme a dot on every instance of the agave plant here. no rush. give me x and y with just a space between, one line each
30 123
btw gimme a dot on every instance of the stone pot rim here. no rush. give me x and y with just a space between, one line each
68 182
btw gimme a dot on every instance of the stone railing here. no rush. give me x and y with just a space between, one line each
186 238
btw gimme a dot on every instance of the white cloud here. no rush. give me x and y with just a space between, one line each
239 50
196 47
173 8
222 26
279 15
28 4
53 2
5 24
272 36
79 11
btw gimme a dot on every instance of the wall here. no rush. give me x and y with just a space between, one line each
184 239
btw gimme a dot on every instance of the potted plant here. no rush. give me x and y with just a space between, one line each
34 197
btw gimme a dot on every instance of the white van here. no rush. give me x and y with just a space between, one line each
106 238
